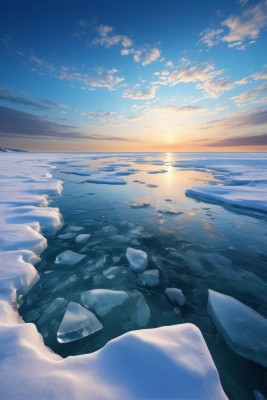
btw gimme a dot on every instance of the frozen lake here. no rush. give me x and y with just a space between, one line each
200 222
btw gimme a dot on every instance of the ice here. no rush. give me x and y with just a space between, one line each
151 185
108 180
69 257
102 301
77 323
140 203
75 228
111 272
137 259
149 278
67 235
159 171
142 312
243 329
82 238
175 296
67 284
246 197
57 306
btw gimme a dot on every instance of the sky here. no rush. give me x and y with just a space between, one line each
119 75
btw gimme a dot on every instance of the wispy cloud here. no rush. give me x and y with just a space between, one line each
107 38
238 30
178 110
252 117
145 94
239 141
7 94
251 95
99 78
25 125
204 75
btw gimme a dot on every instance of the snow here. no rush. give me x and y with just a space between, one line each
175 296
137 259
77 323
243 329
164 363
69 257
102 301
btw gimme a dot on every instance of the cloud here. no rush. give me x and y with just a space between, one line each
238 30
100 77
107 38
248 140
250 95
203 74
25 125
6 94
252 117
178 110
211 37
54 103
151 56
146 94
18 123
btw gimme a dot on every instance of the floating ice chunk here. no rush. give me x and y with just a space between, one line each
69 257
124 173
175 296
137 259
77 323
108 180
151 185
82 238
259 396
68 235
110 273
66 284
116 259
142 312
242 328
102 301
57 306
140 203
159 171
149 278
74 228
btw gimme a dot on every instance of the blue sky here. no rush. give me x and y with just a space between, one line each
108 75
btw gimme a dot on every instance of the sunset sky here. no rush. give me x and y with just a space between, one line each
113 75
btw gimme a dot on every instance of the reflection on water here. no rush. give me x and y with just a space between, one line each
195 246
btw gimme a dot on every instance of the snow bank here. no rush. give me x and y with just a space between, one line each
163 363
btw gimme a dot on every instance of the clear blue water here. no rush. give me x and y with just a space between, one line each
196 246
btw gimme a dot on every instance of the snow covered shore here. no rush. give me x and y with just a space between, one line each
165 363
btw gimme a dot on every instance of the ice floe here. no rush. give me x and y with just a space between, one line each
237 196
142 311
77 323
102 301
108 180
137 259
242 328
82 238
69 257
175 296
149 278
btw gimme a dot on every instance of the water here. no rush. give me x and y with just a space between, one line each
195 246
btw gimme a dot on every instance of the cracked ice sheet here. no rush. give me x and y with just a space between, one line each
180 350
247 197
